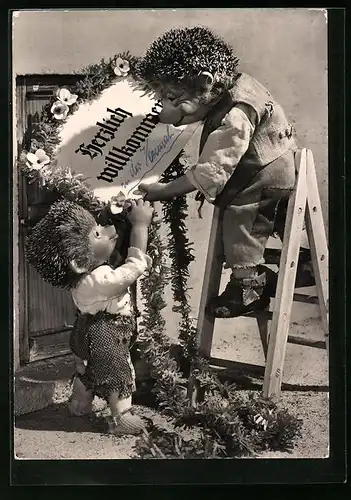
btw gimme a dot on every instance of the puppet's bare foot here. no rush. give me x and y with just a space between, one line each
126 424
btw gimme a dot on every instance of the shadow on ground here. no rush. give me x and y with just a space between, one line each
57 418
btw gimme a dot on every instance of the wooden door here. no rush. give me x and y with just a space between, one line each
46 313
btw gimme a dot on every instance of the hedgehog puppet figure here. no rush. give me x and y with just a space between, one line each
246 156
72 249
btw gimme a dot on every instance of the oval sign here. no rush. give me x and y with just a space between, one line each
115 141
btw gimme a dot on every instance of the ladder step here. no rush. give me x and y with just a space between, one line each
272 256
298 297
318 344
228 363
307 299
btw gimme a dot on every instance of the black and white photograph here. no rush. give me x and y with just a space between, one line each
170 234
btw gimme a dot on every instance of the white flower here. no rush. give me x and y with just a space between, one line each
119 198
60 110
60 107
121 67
117 203
37 160
65 96
115 209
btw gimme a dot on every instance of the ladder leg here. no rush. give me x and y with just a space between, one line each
286 283
210 289
211 283
318 242
262 323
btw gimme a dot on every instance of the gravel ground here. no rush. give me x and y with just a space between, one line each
53 434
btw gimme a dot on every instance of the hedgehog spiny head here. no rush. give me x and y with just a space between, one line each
179 55
58 238
189 69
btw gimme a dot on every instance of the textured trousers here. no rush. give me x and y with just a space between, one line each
249 218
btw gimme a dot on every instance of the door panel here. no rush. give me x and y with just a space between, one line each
49 312
49 308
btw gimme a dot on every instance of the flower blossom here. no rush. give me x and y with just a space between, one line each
37 160
65 96
122 67
60 107
60 110
117 203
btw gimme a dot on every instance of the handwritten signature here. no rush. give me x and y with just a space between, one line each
134 169
163 147
152 156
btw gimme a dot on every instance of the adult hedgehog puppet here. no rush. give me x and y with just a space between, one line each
72 250
246 157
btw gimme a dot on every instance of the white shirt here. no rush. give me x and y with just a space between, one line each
222 152
107 289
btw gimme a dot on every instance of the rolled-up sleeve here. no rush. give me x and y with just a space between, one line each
114 282
221 154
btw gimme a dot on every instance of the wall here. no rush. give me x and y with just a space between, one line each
286 49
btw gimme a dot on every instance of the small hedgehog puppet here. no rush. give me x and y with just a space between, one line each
62 246
246 155
71 249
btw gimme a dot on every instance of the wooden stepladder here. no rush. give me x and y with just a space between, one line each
304 205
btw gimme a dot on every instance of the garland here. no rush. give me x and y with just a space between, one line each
180 252
229 424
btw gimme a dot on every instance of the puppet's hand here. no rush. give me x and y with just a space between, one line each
173 189
140 213
154 191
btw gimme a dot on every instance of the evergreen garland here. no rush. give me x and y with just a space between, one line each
229 425
180 252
